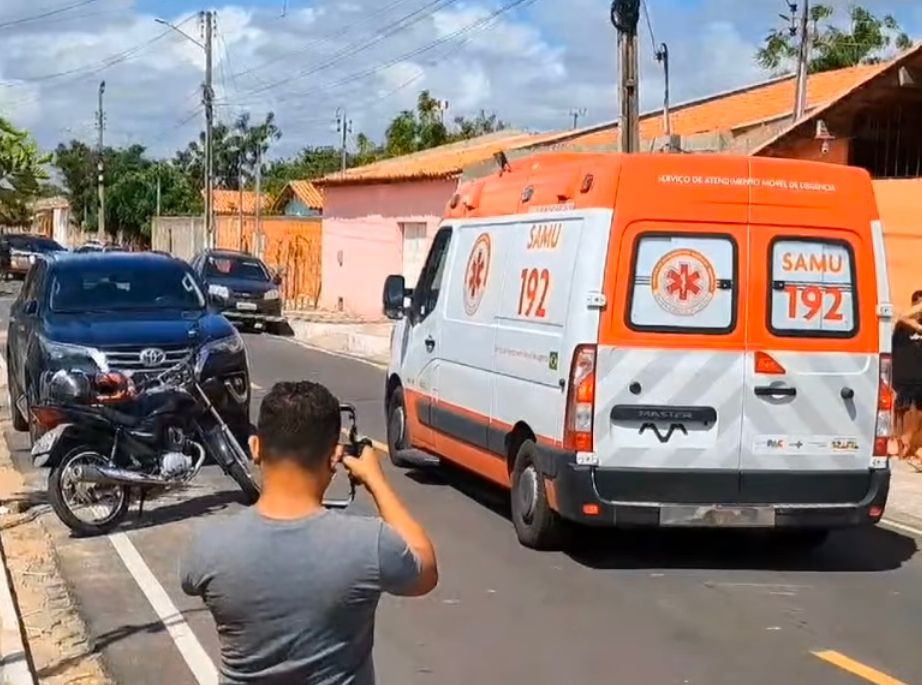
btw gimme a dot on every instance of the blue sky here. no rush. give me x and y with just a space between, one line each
531 66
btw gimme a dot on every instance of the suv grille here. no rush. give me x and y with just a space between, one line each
129 358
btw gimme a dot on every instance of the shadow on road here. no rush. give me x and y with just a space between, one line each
189 507
101 642
858 550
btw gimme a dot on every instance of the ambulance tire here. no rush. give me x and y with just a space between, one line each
537 525
397 430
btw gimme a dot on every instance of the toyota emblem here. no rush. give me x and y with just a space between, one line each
152 357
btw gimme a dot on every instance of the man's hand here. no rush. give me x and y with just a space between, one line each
366 468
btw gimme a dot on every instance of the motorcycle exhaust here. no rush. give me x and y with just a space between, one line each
107 475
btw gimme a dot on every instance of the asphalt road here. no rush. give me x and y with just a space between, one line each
643 608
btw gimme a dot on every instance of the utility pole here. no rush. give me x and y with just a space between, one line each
343 126
257 210
662 56
208 102
158 189
240 200
803 58
577 114
100 166
625 14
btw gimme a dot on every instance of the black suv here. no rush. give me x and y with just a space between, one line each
116 311
19 250
242 287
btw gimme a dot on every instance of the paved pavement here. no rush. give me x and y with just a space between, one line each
646 608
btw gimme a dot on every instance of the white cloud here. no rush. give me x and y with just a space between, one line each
531 68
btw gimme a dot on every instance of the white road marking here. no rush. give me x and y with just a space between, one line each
888 523
256 386
195 656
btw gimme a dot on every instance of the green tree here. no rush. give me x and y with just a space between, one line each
235 149
869 39
308 164
423 128
131 202
22 172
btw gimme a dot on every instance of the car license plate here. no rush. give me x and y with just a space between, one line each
246 306
709 516
47 442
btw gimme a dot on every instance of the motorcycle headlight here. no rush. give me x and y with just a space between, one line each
232 344
271 294
221 291
67 355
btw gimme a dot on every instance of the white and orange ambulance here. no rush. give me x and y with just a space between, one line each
654 340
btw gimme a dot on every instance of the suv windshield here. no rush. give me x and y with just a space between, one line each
122 285
244 268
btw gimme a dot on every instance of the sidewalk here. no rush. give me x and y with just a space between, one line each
904 505
344 334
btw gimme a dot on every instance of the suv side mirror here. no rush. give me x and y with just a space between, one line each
30 308
395 291
277 278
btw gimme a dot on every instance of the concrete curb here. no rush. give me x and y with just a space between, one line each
15 667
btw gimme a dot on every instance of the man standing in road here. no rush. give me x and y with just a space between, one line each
293 588
907 376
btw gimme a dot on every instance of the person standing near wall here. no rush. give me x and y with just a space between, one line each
907 377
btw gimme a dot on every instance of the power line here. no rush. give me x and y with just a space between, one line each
473 27
355 48
649 20
43 15
320 39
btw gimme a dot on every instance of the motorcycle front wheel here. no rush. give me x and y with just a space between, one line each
244 478
86 508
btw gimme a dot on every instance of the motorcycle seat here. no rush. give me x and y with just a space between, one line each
120 417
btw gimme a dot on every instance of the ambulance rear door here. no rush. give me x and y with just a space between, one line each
812 369
670 376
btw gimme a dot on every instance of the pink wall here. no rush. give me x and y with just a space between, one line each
361 229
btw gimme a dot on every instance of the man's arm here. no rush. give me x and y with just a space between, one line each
367 470
911 316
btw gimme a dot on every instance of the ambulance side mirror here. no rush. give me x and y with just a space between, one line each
395 293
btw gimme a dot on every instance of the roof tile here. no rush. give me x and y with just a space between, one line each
228 201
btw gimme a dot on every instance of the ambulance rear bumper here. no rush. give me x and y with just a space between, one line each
711 499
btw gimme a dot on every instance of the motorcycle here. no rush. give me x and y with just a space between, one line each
108 434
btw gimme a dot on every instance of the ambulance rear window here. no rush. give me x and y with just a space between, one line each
683 283
812 289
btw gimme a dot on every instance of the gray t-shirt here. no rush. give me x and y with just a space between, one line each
294 601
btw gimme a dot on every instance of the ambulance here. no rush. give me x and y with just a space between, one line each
653 340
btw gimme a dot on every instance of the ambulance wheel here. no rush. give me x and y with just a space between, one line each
536 524
398 436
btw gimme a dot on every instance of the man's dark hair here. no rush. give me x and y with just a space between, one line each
917 297
299 421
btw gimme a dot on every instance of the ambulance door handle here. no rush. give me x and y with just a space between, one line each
775 391
430 344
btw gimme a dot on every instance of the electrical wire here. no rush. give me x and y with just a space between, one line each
325 38
357 47
45 14
480 24
649 20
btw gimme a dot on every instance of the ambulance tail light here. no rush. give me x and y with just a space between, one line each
581 400
883 430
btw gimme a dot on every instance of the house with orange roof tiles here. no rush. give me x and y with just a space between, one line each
230 202
378 219
298 198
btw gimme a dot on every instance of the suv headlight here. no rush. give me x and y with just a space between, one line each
67 355
271 294
221 291
232 344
